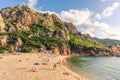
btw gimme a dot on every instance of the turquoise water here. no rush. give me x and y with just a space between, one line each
97 68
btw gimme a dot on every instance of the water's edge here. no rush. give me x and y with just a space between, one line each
70 66
95 68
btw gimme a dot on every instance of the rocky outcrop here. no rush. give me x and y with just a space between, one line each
63 50
71 27
56 51
2 25
18 44
56 18
3 40
18 18
115 50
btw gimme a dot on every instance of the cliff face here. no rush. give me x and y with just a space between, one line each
115 49
24 30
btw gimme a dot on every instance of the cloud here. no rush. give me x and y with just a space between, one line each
100 30
91 27
75 16
107 12
32 3
85 19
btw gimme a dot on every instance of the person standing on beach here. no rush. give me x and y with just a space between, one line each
54 66
62 61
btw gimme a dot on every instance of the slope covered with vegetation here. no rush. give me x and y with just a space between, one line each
108 41
24 30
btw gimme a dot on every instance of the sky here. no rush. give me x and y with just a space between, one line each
99 18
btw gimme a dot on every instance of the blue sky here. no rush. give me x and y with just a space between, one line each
99 18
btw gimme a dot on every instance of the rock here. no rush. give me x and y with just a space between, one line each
2 25
63 50
42 49
18 44
56 18
71 27
56 51
92 53
3 40
115 49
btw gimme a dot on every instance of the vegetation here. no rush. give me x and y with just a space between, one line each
77 41
44 31
5 48
108 41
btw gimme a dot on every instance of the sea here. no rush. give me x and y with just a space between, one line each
96 68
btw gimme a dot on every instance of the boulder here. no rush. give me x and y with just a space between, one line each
3 40
18 44
56 51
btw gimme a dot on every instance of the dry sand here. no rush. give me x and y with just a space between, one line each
19 67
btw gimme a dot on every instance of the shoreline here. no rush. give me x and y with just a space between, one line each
68 67
18 67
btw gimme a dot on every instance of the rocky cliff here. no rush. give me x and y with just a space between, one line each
115 49
25 30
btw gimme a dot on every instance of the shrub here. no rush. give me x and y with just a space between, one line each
26 49
2 49
58 24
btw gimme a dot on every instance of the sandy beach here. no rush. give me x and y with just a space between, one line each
34 67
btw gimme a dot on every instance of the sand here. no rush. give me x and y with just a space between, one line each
22 67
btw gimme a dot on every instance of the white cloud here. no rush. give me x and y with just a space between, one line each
32 3
77 17
90 27
84 18
100 30
107 12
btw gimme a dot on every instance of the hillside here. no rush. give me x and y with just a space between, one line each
25 30
108 41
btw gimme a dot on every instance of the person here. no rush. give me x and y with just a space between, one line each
62 61
34 69
0 57
54 66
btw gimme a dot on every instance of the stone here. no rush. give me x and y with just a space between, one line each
3 40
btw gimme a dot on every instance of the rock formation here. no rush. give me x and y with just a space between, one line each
115 49
3 40
2 25
25 30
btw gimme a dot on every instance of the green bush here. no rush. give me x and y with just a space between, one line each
5 48
2 49
58 24
26 49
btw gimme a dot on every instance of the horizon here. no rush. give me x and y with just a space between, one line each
99 18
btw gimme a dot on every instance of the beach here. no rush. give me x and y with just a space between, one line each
35 66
